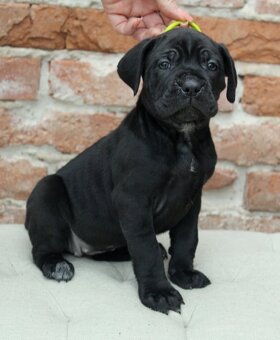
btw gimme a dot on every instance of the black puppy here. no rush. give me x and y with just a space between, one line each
145 177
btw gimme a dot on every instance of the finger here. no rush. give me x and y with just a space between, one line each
153 20
166 19
125 25
170 9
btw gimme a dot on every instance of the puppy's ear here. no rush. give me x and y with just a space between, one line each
131 66
230 72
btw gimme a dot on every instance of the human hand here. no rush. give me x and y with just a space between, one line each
143 18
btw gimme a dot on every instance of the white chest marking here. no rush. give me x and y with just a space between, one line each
193 166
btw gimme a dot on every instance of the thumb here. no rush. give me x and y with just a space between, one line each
170 9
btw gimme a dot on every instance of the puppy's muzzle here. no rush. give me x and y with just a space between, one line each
191 86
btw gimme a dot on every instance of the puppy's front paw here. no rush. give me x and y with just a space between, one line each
161 297
60 271
189 279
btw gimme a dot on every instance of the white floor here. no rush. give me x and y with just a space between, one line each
101 302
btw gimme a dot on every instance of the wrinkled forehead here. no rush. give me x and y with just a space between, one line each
186 41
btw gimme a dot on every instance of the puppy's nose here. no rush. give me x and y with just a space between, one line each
192 86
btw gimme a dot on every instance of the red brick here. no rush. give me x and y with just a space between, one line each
224 104
220 179
58 27
11 15
89 29
68 132
261 96
19 78
248 144
263 191
268 7
18 178
6 123
38 26
247 40
74 133
11 213
267 224
47 28
72 79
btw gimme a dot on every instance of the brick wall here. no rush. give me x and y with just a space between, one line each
59 93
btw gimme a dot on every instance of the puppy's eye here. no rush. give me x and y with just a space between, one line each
164 65
212 66
171 55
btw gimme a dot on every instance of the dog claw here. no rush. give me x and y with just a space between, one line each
161 298
189 279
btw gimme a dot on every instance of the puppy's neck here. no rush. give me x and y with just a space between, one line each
190 130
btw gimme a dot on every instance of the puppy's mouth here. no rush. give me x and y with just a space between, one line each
189 115
188 119
186 111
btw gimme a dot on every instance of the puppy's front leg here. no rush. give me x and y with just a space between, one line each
136 221
184 239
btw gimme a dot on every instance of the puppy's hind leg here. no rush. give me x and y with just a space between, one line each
48 220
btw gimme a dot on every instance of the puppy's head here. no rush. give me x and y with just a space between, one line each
183 75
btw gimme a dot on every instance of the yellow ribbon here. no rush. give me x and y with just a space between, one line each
179 23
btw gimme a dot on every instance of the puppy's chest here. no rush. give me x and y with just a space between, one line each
193 164
184 181
185 177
